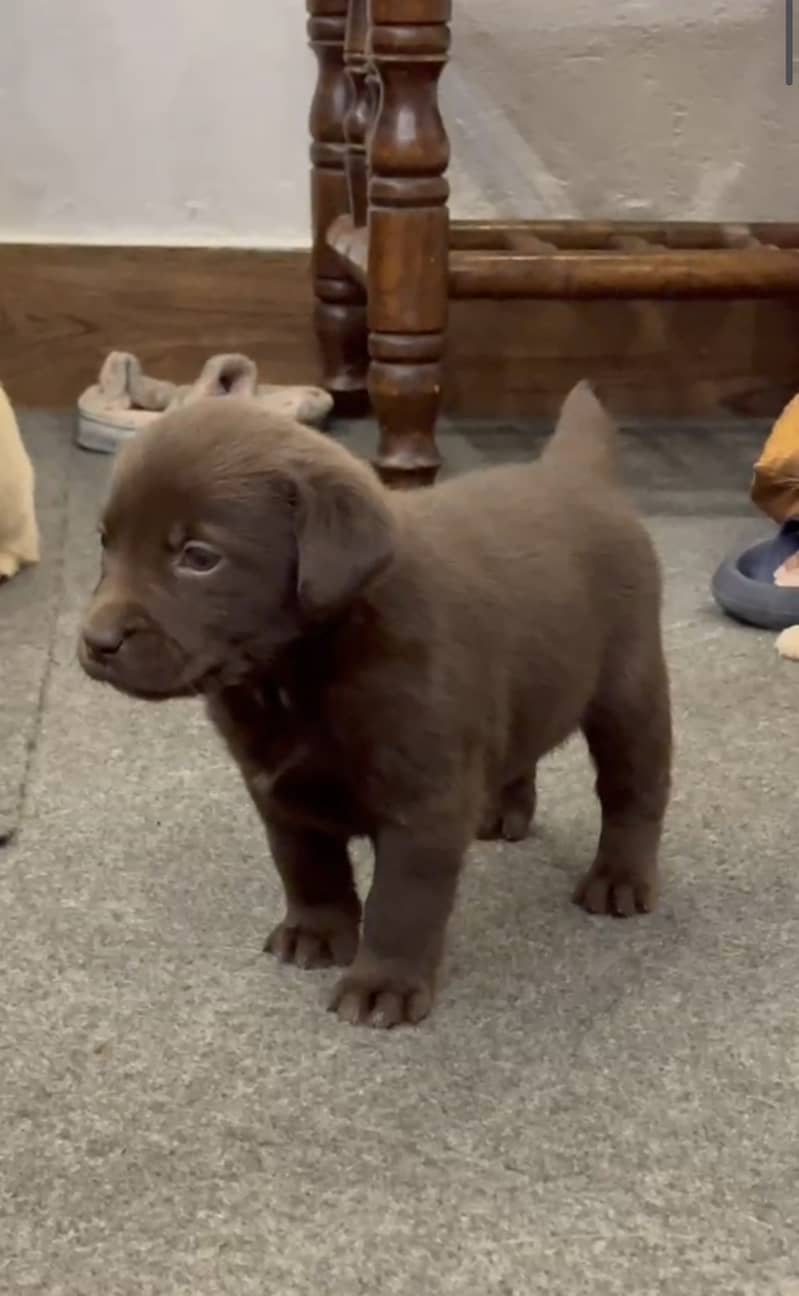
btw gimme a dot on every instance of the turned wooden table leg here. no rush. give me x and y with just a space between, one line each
408 235
340 315
358 121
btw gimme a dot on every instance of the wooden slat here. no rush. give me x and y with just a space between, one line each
634 243
596 235
756 272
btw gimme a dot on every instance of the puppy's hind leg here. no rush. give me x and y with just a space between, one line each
511 818
628 730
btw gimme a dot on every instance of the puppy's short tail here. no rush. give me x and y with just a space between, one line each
585 437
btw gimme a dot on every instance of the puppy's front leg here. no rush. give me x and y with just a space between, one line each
392 978
322 907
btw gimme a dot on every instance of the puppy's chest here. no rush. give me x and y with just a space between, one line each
295 769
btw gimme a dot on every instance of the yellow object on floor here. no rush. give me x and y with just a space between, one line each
775 486
788 643
19 534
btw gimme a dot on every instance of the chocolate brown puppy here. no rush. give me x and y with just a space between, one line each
392 665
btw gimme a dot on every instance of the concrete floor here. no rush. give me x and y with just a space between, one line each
598 1107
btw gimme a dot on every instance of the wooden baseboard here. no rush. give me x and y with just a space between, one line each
62 308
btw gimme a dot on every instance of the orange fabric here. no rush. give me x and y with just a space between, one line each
775 486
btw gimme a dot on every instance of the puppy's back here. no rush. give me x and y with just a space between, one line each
572 491
557 537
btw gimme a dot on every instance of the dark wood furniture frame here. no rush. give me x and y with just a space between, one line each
386 258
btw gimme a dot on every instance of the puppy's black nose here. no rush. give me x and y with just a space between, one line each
104 639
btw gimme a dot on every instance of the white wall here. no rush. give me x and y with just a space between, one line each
670 108
184 120
154 120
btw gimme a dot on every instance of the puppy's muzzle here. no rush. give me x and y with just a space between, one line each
103 637
120 646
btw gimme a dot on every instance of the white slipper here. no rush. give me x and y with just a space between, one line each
237 375
124 399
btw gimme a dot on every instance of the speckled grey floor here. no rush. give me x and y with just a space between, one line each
595 1107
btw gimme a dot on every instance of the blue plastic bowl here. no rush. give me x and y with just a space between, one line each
744 585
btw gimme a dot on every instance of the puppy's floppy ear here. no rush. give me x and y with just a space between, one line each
346 535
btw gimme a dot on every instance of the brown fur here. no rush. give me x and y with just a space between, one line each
392 665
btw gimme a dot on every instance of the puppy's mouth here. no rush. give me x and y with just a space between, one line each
143 692
148 682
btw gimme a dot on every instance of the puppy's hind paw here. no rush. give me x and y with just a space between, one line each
510 820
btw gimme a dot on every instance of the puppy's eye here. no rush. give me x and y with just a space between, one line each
198 558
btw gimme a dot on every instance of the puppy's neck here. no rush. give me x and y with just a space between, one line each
293 678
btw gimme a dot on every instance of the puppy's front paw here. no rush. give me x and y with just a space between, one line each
378 995
315 938
622 893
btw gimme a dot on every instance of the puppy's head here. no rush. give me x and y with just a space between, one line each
228 533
